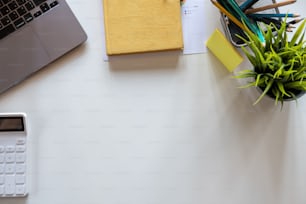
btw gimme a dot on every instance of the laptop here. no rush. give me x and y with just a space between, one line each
34 33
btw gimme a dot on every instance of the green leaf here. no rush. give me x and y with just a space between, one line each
276 93
257 79
297 33
267 88
251 57
281 87
299 85
245 74
251 84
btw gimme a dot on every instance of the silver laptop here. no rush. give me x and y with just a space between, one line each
33 33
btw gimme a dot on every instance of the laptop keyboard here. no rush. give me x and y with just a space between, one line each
16 13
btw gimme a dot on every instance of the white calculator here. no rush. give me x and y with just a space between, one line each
13 136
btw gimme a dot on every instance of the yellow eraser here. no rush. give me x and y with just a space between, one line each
224 50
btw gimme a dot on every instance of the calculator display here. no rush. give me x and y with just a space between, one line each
11 124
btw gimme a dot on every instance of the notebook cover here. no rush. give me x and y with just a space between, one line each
142 25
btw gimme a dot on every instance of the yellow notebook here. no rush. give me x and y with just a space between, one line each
142 25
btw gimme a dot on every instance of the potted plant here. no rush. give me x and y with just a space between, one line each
279 65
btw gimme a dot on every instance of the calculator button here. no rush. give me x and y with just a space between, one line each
1 190
20 148
20 189
20 168
10 148
10 158
20 157
20 141
9 179
20 179
9 189
1 148
1 180
9 168
1 158
9 184
1 168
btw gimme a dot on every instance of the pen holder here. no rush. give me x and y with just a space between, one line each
231 29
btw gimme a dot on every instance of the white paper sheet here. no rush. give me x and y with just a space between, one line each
195 32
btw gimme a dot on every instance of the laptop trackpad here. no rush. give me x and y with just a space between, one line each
21 53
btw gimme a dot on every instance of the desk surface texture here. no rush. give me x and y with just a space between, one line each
156 128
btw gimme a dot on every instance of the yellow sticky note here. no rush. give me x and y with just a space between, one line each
224 50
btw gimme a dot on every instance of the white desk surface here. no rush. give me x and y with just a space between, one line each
159 128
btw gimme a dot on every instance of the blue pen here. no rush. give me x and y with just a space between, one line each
247 4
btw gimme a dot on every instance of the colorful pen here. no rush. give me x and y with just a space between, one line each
274 15
271 6
247 4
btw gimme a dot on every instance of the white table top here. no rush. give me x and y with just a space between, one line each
158 128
